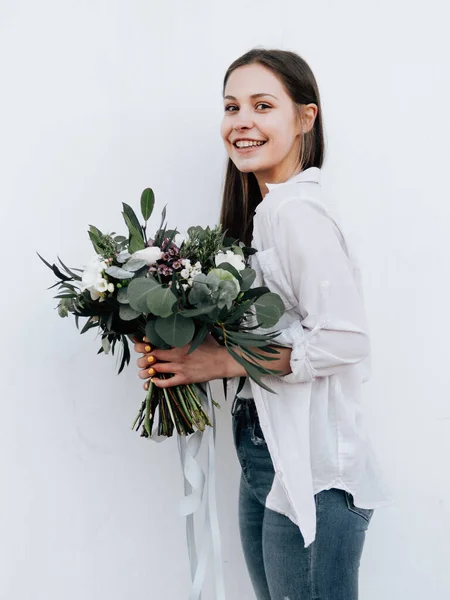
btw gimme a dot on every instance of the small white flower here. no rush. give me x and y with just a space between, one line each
101 285
184 273
150 255
110 287
235 260
91 278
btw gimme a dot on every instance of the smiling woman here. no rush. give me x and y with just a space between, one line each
310 481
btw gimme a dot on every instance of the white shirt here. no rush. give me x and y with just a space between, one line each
313 425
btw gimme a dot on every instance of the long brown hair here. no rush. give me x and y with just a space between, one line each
241 193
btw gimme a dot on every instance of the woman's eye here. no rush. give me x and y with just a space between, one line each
263 104
227 108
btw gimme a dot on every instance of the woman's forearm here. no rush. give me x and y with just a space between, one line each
232 368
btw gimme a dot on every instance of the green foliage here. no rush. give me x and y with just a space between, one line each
203 245
269 308
175 330
147 203
104 244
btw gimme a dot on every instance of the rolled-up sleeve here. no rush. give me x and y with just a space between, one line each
332 331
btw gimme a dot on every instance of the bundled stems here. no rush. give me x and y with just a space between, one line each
180 407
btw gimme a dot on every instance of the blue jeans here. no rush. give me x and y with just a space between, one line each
279 565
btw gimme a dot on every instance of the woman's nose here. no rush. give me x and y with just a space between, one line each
243 121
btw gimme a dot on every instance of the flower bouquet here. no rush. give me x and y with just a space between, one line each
174 290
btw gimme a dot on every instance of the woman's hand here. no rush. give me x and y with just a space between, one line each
208 361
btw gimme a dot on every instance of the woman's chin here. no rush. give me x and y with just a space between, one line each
248 165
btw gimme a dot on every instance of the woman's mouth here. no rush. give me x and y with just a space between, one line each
246 146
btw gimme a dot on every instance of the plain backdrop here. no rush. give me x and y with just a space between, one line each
100 99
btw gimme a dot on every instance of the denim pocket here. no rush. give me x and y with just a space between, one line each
365 513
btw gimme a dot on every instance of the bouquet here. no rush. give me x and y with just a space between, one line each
172 289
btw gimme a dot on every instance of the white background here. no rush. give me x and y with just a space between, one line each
100 99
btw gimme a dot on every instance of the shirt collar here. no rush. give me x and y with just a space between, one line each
310 175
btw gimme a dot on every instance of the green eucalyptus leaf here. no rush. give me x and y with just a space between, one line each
120 239
138 291
226 294
126 313
153 337
160 301
147 203
200 293
195 312
123 256
134 264
122 296
175 330
248 277
269 308
119 273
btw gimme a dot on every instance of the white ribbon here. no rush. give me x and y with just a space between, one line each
194 488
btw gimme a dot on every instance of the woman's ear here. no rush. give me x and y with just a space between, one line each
309 113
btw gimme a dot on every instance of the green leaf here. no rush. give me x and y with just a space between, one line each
89 325
147 203
251 369
227 267
134 264
255 292
136 243
175 330
134 231
161 300
248 277
138 291
119 273
122 296
132 218
199 338
126 313
195 312
95 236
239 312
76 277
226 293
269 308
154 338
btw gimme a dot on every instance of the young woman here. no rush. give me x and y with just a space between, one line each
309 481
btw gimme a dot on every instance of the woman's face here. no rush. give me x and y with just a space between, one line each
257 108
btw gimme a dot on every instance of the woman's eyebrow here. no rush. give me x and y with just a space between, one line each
252 96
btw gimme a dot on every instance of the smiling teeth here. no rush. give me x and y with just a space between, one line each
246 144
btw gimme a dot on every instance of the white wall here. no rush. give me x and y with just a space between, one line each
101 99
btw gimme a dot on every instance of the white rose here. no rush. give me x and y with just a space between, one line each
150 255
91 278
235 260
